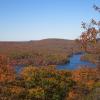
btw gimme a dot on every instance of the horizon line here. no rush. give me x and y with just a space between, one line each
35 40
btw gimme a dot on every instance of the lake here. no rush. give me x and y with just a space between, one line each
75 62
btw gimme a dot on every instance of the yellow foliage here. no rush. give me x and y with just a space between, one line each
16 90
36 92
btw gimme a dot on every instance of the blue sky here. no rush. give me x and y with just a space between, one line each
22 20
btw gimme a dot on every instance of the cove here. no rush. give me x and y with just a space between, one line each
75 63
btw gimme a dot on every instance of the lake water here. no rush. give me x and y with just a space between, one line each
18 68
75 62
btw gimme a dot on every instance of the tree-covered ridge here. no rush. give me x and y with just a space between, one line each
39 53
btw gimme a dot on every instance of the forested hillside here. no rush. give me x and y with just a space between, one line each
43 52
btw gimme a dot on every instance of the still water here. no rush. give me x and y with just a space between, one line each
75 62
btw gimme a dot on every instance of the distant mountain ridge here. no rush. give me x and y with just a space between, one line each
39 45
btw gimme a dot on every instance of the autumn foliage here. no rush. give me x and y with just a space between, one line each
6 71
91 34
40 80
47 83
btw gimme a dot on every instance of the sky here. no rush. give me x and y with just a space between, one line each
24 20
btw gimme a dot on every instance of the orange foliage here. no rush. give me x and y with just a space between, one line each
72 95
6 71
89 37
85 74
